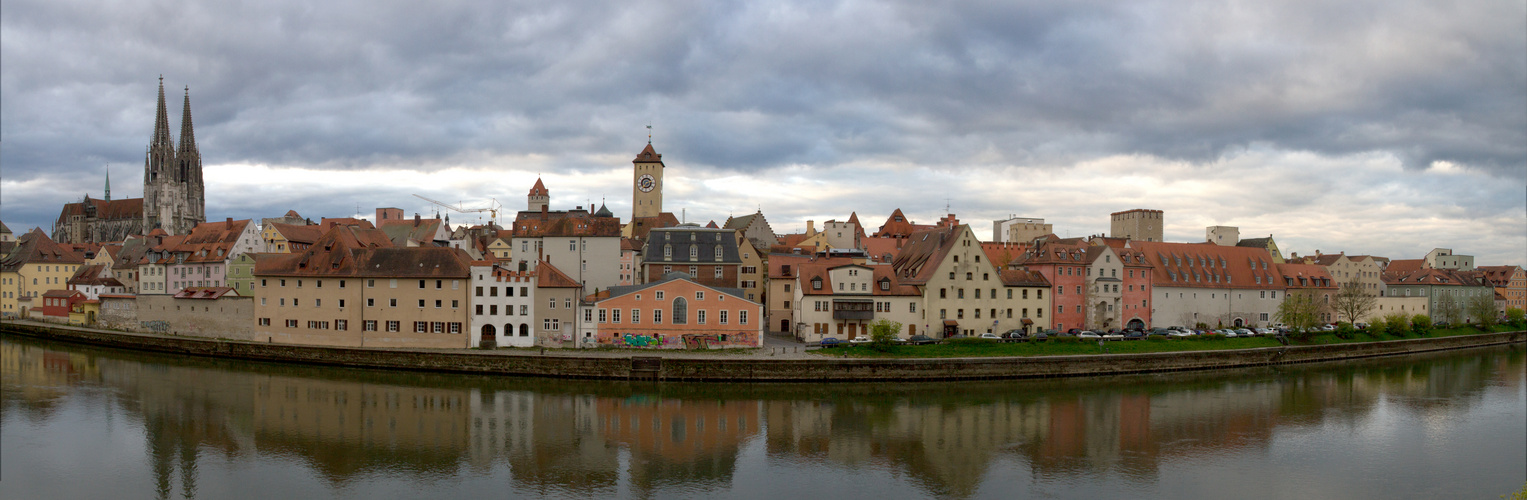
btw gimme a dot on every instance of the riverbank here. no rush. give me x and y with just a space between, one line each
758 367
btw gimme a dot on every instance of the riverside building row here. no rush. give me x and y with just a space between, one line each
563 277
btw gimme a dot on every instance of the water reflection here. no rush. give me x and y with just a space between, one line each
579 439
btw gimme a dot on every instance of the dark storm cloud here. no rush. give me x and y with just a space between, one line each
755 86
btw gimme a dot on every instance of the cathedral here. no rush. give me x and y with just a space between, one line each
173 193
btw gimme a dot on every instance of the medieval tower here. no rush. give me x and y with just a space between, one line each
173 193
647 184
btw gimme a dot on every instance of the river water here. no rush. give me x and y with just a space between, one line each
80 422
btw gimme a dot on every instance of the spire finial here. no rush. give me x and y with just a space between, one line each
649 133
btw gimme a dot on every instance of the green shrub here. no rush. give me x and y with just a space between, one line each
1397 324
1345 330
1516 317
970 341
1376 328
1155 338
883 334
1303 335
1067 340
1421 324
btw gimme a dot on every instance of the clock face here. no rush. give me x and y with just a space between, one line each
646 183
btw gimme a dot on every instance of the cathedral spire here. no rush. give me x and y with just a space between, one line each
187 136
162 123
108 183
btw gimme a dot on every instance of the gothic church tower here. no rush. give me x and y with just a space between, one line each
173 193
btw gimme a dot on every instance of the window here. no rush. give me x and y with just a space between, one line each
943 293
657 316
615 315
552 302
680 311
700 316
567 303
959 314
603 313
636 316
393 326
421 283
264 321
291 323
437 327
479 291
723 316
694 271
421 303
340 324
479 310
493 310
960 293
742 317
421 327
368 325
524 309
393 302
718 272
912 307
659 295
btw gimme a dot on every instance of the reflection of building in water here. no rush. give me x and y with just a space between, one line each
948 446
503 423
678 440
34 377
549 441
347 427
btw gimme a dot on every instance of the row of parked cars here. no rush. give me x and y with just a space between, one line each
1111 334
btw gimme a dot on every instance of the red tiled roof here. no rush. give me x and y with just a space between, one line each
778 261
1306 275
570 223
539 189
1001 253
1207 265
551 277
919 258
821 270
1405 266
640 226
37 247
648 155
130 208
1019 277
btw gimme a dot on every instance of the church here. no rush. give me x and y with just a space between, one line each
173 193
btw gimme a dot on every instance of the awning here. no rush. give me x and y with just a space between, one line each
1027 321
950 322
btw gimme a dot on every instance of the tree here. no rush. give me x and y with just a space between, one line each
1300 310
883 333
1481 307
1447 311
1353 302
1421 324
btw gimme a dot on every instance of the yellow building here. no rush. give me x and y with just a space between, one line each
38 264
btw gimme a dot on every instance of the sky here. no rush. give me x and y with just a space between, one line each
1371 127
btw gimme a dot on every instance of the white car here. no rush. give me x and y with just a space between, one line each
860 340
1088 334
990 335
1183 332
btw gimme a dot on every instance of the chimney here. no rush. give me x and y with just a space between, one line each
810 227
416 219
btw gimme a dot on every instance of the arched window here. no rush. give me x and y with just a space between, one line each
508 329
525 330
680 311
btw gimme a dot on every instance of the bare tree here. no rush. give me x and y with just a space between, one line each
1300 310
1447 311
1481 307
1353 301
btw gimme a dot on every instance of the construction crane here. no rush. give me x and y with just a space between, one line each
492 208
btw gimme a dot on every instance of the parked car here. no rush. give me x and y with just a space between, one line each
989 336
1088 334
1042 335
1183 332
1015 335
862 339
1135 335
830 342
1113 336
921 340
1242 332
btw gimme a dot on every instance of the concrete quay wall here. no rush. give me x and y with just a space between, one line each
732 367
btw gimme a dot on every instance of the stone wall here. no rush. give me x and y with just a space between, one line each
228 317
760 369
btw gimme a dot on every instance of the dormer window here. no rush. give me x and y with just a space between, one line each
667 251
885 284
718 252
694 252
816 283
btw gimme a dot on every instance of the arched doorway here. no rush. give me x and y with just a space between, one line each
1240 322
525 329
488 332
1137 324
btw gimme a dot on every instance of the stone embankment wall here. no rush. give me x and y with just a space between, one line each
758 369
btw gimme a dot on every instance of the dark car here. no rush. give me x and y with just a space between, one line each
921 340
1134 335
1041 336
831 342
1015 335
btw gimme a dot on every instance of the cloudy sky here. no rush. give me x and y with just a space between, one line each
1378 127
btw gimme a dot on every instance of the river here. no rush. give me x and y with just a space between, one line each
83 422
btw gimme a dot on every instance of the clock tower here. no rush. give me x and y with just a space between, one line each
647 184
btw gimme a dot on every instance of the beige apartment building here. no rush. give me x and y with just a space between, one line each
963 293
36 265
352 288
1363 268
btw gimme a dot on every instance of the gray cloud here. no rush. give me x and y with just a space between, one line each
755 88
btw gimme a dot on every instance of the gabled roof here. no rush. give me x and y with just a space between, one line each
1019 277
920 257
129 208
640 226
539 189
3 228
93 275
1207 265
210 241
551 277
350 251
564 223
1432 277
822 270
1306 276
37 247
1254 242
898 226
779 261
416 230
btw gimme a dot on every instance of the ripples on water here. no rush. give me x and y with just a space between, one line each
86 423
